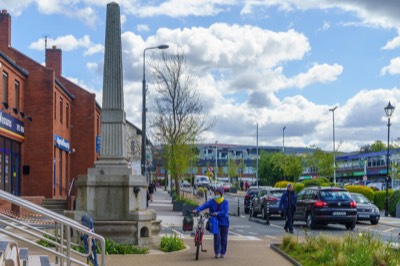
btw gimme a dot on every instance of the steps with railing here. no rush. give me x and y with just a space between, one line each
56 205
20 223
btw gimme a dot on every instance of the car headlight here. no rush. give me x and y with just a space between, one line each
376 210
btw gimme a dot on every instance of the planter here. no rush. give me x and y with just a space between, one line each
177 206
233 190
276 248
187 208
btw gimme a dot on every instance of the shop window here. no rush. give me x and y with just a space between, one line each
16 104
61 110
67 115
5 87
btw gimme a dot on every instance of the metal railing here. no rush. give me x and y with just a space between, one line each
63 230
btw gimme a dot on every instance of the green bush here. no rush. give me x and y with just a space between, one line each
319 182
366 191
171 243
379 198
393 201
282 184
298 187
191 202
201 191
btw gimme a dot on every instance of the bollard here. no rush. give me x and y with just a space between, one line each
205 195
268 212
238 211
251 209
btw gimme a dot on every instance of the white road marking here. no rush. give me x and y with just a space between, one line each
253 233
239 230
273 237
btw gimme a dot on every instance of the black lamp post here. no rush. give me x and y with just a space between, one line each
389 111
143 162
283 139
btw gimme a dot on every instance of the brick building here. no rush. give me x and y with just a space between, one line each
48 125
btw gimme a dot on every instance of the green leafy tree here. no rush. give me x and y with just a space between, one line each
268 172
378 146
232 168
324 162
293 167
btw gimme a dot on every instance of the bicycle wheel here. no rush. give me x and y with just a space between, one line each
198 244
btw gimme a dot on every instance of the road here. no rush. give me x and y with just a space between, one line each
244 228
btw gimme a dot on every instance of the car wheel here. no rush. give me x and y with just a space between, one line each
310 221
374 222
351 226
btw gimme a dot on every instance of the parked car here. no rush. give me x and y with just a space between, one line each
201 181
366 210
185 184
325 205
274 199
267 198
226 186
248 197
216 184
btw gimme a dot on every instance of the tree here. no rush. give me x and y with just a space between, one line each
324 163
378 145
232 168
268 172
177 118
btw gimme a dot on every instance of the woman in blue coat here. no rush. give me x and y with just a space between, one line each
219 207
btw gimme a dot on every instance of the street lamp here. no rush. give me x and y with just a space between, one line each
334 150
389 111
283 137
216 162
143 163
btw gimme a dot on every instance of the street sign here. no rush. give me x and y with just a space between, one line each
211 169
365 178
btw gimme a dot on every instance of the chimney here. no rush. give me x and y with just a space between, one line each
54 60
5 30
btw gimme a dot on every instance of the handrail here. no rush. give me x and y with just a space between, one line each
71 186
62 240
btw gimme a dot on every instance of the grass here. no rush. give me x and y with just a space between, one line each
351 250
171 243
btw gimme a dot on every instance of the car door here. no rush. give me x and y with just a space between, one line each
300 208
257 201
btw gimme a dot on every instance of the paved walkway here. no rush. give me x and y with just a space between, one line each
240 252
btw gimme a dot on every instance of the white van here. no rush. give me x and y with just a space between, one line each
201 181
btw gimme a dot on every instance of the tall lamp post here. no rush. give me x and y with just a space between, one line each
334 149
143 162
216 162
283 139
389 111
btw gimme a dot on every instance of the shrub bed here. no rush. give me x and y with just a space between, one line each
282 184
393 201
353 249
366 191
379 198
171 243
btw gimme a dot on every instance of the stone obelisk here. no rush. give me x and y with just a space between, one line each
114 197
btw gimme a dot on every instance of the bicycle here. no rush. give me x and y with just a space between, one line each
198 236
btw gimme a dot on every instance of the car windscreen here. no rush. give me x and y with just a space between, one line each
359 198
335 195
276 193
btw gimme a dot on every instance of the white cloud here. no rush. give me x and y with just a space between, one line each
69 43
318 73
392 44
393 68
142 27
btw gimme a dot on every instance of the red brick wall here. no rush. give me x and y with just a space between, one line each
54 60
5 30
84 131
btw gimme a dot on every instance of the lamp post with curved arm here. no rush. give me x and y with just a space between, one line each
143 161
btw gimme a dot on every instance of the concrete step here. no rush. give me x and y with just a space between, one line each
56 205
39 260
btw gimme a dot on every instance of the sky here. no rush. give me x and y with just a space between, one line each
275 63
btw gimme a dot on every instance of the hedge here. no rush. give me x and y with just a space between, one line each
319 182
379 198
393 201
298 187
366 191
282 184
